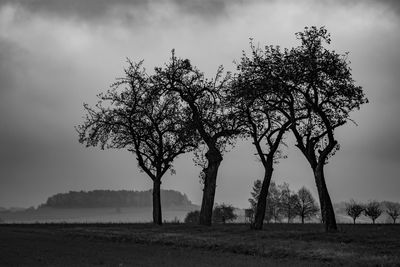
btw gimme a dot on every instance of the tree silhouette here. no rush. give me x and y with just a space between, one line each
393 210
373 210
259 97
354 210
204 101
306 207
323 94
136 115
289 201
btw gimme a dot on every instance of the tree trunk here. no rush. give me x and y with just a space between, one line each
302 219
354 220
327 212
262 198
214 159
373 221
157 219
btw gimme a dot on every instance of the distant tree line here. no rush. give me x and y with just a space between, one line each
372 210
307 90
110 198
283 203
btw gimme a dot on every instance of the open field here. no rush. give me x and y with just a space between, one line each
185 245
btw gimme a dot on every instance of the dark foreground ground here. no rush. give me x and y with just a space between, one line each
185 245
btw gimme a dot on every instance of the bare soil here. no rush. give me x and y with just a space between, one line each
190 245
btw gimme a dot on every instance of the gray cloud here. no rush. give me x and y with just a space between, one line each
87 10
9 62
99 10
209 8
388 5
393 4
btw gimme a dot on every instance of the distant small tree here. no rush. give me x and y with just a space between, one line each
373 210
255 193
393 210
289 200
354 210
223 213
307 206
248 215
192 217
273 209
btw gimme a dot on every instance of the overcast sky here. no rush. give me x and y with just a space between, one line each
57 54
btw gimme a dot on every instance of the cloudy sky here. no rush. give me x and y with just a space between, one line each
56 54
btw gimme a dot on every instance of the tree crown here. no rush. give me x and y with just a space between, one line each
135 114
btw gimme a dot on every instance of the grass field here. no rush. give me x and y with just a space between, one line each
225 245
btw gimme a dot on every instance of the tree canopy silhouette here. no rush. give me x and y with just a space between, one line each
135 114
205 102
307 90
259 96
324 93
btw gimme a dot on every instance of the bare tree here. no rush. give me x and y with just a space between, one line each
393 210
259 97
205 102
289 200
323 94
354 210
373 210
135 114
307 207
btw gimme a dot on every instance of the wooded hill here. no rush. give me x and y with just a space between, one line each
111 198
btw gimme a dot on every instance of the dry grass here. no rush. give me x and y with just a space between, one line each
359 245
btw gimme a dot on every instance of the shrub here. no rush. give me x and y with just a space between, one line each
223 213
192 217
